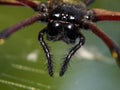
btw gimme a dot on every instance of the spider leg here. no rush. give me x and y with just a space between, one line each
114 48
102 15
32 4
47 52
88 2
10 2
9 31
70 54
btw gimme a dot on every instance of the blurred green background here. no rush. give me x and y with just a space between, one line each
23 62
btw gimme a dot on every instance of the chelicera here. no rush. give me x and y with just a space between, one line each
65 19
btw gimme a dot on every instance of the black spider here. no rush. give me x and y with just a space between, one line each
64 24
65 19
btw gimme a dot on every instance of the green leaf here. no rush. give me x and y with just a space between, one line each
23 62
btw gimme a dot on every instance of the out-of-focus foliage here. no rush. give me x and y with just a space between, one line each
23 63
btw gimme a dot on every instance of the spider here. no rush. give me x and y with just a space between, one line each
64 19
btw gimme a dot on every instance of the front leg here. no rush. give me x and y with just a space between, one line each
70 54
32 4
47 52
106 15
9 31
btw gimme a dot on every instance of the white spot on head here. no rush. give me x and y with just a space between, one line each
69 26
32 56
57 15
87 17
62 14
67 15
72 18
57 24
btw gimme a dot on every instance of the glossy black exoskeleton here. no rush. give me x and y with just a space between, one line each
63 24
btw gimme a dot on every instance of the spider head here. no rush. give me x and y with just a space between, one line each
63 23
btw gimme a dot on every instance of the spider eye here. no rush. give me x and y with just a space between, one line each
71 27
54 28
71 31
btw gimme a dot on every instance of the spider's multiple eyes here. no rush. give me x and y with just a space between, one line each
57 27
64 17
